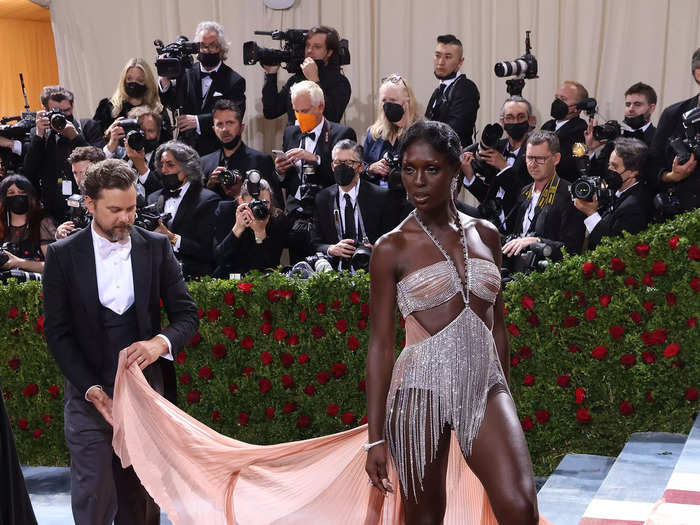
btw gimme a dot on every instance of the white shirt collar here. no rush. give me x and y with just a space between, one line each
618 193
201 68
104 247
353 193
448 82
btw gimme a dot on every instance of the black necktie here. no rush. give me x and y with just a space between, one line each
311 135
636 134
211 74
350 232
437 94
167 194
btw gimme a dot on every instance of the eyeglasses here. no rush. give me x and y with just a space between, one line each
214 46
350 163
537 160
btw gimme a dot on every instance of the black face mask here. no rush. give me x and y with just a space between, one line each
134 89
209 59
445 77
516 131
393 111
170 181
559 109
614 180
343 174
635 122
18 204
232 143
150 145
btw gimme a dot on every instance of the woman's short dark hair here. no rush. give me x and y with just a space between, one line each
34 214
107 175
441 137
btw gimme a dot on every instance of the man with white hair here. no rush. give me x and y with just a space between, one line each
205 82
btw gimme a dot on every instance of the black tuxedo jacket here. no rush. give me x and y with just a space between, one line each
374 209
568 135
458 108
599 162
153 182
72 321
631 212
330 135
230 84
194 222
557 224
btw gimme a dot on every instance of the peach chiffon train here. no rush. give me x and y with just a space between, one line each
198 476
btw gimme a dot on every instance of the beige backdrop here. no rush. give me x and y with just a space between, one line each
607 45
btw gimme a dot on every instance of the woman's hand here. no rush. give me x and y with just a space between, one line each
114 133
381 168
376 468
13 261
244 219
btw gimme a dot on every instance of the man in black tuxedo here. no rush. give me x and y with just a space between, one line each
102 289
456 99
568 125
631 208
506 174
350 212
544 212
320 65
205 82
190 206
233 154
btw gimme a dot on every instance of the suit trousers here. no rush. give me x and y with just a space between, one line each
101 490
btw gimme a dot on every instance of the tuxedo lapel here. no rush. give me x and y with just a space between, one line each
197 81
140 268
83 256
188 203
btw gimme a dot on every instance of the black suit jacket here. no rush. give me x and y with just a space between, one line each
599 162
557 224
330 135
194 222
631 212
230 84
374 209
568 135
459 107
72 322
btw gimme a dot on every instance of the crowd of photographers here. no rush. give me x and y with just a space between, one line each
228 208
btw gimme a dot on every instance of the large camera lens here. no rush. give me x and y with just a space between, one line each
608 131
508 69
490 136
58 121
259 208
135 140
584 188
360 258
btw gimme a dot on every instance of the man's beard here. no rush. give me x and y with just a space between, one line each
114 234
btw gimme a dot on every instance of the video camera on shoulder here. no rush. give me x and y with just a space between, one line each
178 57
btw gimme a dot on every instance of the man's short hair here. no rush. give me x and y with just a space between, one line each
581 91
106 175
89 153
633 153
450 40
311 88
186 157
540 137
139 112
642 89
695 62
347 144
220 36
55 93
332 37
224 104
520 100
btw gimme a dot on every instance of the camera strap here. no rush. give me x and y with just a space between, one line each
361 233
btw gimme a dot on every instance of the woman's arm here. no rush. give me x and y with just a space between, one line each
23 264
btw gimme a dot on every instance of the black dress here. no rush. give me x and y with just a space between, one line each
103 115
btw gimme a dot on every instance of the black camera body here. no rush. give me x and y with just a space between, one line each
20 129
57 118
535 258
178 57
8 247
135 137
588 187
230 178
361 256
393 179
608 131
79 215
490 136
521 68
147 217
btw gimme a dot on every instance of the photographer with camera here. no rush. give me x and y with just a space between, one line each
456 99
320 65
251 231
544 212
206 81
501 163
186 207
224 168
24 231
631 204
351 214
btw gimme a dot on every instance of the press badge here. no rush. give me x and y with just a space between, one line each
66 187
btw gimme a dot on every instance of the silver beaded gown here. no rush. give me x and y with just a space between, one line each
444 379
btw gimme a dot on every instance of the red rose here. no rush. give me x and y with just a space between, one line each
648 306
286 294
196 339
673 242
363 421
39 326
636 317
362 324
336 305
626 409
47 419
247 371
37 433
230 332
265 328
570 321
215 415
691 322
303 315
658 268
631 282
321 308
599 352
339 370
289 407
527 302
362 385
574 349
671 299
695 284
605 300
588 269
240 313
233 388
273 295
534 320
583 416
514 330
269 413
628 360
693 253
341 325
617 265
648 395
185 379
529 380
691 394
265 385
527 423
647 279
286 359
642 249
266 358
205 373
245 287
213 314
303 358
656 337
218 351
616 331
353 343
54 390
30 390
354 297
193 396
229 298
525 352
649 357
243 419
293 340
566 293
542 416
600 273
247 342
267 316
22 424
672 350
317 331
309 390
13 313
303 422
280 334
287 381
200 312
364 309
14 363
348 418
581 298
591 313
332 410
563 381
579 395
323 377
514 361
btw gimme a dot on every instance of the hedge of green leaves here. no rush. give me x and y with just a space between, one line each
601 346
